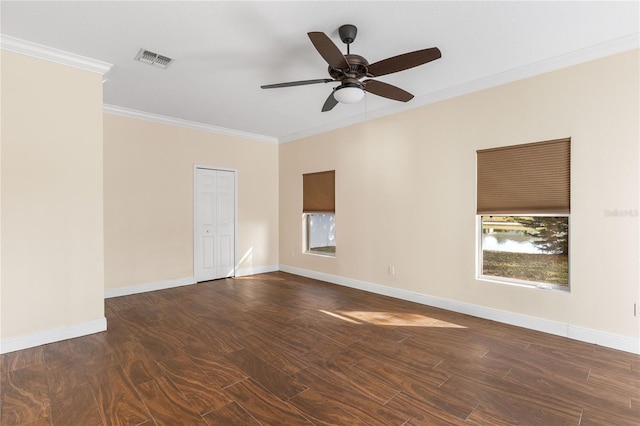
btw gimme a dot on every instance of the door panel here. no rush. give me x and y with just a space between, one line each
215 224
225 258
208 208
208 254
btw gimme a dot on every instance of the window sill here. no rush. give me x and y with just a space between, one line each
522 283
315 253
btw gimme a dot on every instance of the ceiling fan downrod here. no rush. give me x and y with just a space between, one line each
348 34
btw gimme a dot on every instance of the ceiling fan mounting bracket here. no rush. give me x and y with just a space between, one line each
348 33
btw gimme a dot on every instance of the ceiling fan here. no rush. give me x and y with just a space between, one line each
354 72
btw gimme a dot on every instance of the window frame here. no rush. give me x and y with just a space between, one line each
514 281
318 198
530 179
306 239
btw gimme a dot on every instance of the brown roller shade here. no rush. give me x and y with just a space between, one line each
528 178
319 192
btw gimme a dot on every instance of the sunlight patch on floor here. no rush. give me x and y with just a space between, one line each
343 318
396 319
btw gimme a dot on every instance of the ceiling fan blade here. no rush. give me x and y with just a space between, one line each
387 90
328 50
296 83
329 103
404 61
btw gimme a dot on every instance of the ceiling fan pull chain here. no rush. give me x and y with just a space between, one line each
366 107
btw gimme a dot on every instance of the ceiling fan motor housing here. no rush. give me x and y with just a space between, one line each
357 68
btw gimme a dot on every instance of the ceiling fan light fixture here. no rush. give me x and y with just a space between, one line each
349 93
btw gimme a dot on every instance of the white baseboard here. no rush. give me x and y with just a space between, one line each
143 288
242 272
12 344
179 282
622 343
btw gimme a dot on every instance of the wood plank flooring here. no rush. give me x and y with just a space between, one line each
278 349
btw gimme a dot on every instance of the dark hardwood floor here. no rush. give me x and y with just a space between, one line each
278 349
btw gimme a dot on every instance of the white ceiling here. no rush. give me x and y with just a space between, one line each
224 51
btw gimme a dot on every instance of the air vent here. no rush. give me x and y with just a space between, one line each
152 58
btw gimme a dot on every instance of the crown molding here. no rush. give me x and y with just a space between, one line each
40 51
609 48
570 59
577 57
157 118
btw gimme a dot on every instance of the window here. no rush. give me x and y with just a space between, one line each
523 204
318 209
321 233
531 249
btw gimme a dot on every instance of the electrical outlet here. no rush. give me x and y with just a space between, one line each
392 270
636 311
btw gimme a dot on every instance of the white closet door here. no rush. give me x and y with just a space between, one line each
215 224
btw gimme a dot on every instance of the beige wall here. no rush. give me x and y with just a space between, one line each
51 175
405 193
148 199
